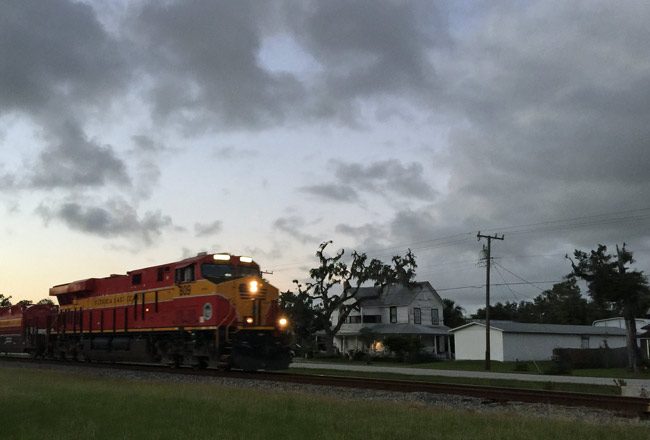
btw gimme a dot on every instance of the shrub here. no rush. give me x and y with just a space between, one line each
561 365
592 357
406 348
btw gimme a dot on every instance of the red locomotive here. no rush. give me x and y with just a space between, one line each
26 328
212 309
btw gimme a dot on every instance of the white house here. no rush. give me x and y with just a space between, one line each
620 323
644 339
510 341
397 310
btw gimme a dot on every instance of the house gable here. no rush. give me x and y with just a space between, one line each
418 304
413 309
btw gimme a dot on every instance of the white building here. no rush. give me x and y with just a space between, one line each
619 322
398 310
510 341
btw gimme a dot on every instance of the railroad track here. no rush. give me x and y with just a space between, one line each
624 406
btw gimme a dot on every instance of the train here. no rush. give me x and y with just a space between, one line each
211 310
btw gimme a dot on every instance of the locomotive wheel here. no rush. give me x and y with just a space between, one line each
176 361
200 363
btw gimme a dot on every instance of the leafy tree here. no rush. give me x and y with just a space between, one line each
453 315
562 304
25 302
611 282
5 301
508 311
46 301
304 317
333 272
528 312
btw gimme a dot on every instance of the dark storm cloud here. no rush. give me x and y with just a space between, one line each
556 106
58 64
368 237
147 145
55 54
144 158
202 58
388 177
6 180
114 218
232 153
410 226
293 226
72 160
207 229
368 48
334 192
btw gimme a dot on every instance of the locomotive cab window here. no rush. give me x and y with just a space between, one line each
185 274
136 279
222 272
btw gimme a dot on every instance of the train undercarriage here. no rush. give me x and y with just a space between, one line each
248 350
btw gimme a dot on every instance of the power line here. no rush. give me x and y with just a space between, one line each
514 292
518 229
482 286
577 222
517 276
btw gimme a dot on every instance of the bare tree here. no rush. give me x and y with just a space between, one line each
334 274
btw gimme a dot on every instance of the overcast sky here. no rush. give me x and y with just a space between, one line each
138 133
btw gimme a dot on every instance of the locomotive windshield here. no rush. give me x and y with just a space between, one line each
218 273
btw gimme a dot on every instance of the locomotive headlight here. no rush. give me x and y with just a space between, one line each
283 322
253 287
249 320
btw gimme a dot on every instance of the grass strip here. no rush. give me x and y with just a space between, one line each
527 367
44 404
612 390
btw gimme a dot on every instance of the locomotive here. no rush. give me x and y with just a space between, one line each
209 310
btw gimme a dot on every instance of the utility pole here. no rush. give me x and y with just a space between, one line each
487 294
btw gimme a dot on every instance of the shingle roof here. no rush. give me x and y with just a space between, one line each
402 329
522 327
393 295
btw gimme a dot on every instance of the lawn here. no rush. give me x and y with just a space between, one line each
498 367
41 404
507 383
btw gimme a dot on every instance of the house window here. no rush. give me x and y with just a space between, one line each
354 319
417 315
584 342
435 318
393 315
371 319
